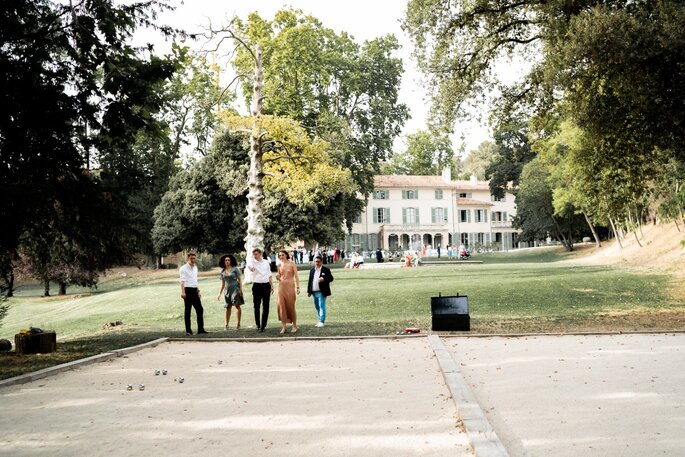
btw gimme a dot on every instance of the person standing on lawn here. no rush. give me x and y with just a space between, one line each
262 287
190 293
288 289
319 286
232 288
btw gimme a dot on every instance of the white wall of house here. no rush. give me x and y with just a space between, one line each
410 212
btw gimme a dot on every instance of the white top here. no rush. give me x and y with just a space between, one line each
188 275
315 280
262 271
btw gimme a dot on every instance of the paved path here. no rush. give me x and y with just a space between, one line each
557 396
551 396
366 397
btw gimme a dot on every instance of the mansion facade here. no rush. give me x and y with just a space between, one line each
410 212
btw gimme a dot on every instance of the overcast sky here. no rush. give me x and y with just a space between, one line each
363 19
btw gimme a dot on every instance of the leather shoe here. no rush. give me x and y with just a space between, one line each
189 333
201 332
261 330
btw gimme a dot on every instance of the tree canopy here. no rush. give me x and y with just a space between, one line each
613 69
427 153
338 90
76 97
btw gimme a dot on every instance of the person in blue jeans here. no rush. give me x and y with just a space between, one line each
319 286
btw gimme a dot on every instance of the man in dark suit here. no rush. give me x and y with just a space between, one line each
319 286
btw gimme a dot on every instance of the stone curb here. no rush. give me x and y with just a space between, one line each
30 377
483 439
526 335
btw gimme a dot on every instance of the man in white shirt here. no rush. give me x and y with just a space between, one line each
190 293
262 287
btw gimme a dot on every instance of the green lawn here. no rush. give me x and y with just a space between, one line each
508 293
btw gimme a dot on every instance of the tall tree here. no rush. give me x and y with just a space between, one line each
480 159
615 68
514 152
75 95
302 200
342 92
427 153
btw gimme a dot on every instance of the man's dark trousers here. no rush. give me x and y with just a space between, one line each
261 294
192 300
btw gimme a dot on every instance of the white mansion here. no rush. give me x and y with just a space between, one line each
409 212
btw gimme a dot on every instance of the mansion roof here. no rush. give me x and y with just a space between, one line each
396 181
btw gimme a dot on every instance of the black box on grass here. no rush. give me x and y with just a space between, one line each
450 313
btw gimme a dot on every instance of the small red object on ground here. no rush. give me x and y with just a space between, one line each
412 330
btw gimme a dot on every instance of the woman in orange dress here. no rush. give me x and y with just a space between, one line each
288 288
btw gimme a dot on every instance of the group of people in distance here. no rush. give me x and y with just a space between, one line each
231 289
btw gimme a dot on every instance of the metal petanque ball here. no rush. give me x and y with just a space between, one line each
157 372
181 380
164 372
141 387
129 387
220 362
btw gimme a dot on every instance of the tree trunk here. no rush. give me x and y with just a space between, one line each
560 234
613 227
62 288
46 288
592 229
255 196
10 283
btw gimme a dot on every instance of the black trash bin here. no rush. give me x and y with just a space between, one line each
450 313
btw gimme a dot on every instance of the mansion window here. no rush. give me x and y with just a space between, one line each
499 216
481 215
410 194
381 194
494 198
381 215
357 219
464 215
438 194
438 215
410 215
464 195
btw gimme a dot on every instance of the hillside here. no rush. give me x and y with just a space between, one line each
659 248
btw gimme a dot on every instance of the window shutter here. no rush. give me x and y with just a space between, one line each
416 194
444 214
375 215
504 217
417 219
404 195
485 215
386 215
433 215
468 215
404 215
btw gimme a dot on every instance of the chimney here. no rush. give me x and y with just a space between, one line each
447 175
